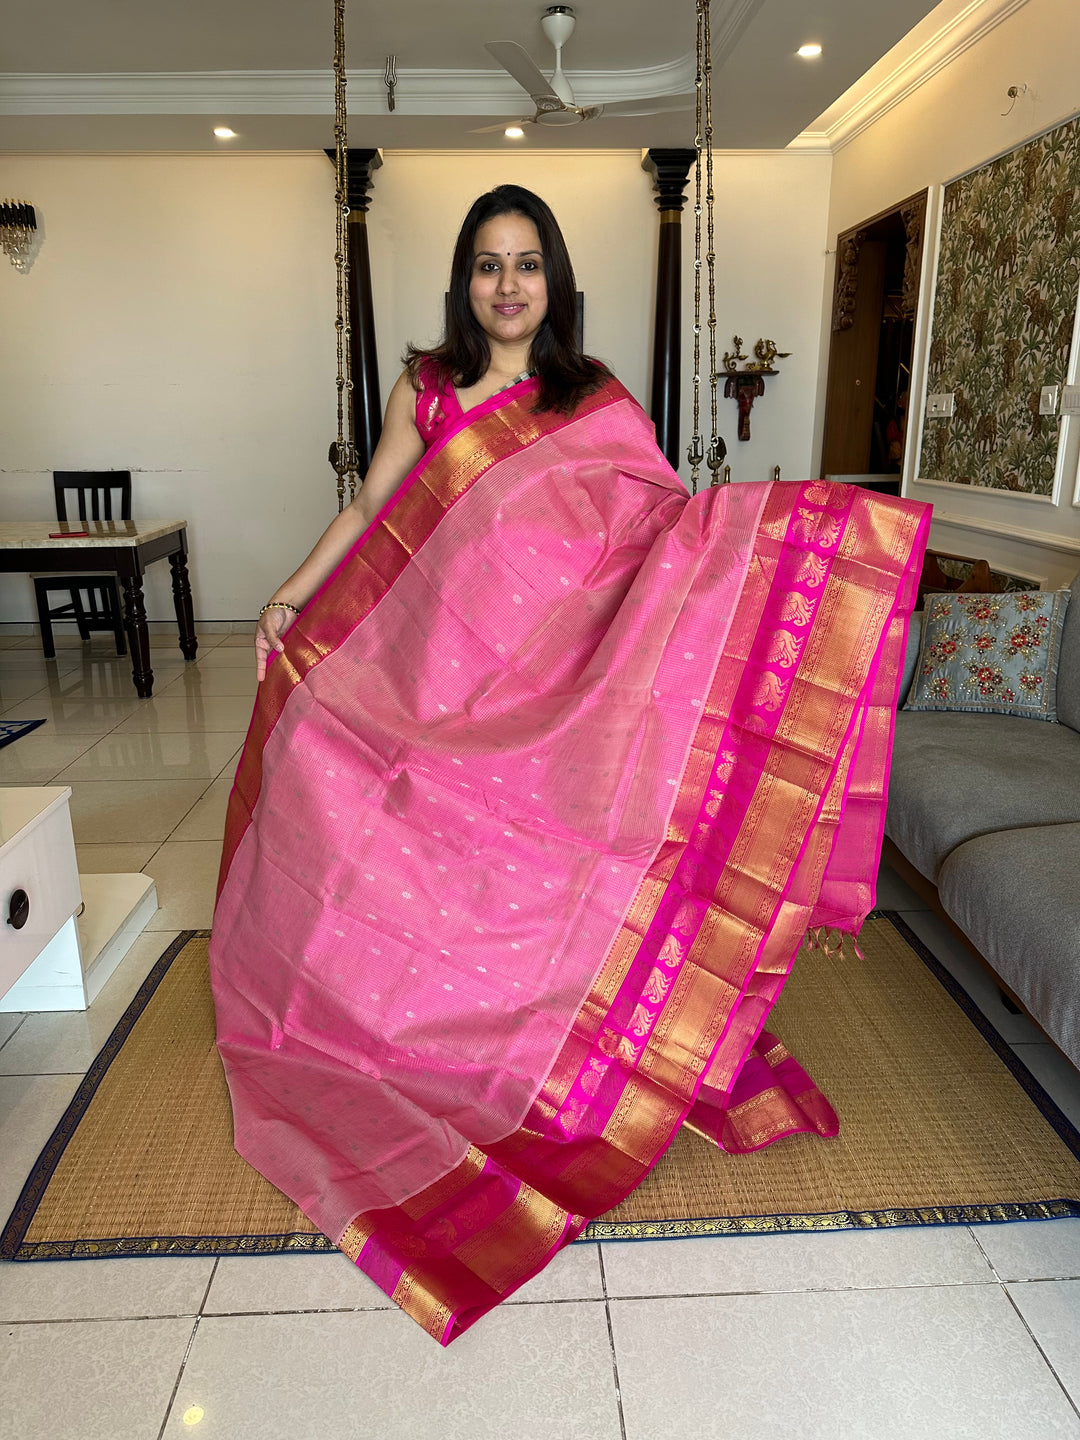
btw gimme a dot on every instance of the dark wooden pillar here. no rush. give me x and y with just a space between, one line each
363 355
367 406
670 170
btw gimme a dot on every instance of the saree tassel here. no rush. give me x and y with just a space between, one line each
829 939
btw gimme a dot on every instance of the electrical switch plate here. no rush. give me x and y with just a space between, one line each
1048 400
1070 400
939 406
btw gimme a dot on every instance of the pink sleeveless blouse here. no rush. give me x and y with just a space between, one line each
438 406
435 406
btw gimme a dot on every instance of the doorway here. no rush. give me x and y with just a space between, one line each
875 301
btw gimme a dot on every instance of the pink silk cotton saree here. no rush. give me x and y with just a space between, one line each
552 778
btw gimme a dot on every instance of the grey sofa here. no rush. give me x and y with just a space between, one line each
986 808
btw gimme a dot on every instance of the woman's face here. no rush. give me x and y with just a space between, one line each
507 288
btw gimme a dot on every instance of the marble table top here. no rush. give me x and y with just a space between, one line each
34 534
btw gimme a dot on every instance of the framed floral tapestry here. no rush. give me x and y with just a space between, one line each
1008 281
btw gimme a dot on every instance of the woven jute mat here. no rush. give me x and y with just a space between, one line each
939 1124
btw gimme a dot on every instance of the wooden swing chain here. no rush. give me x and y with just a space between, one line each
343 454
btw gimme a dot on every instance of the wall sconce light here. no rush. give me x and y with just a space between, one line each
18 228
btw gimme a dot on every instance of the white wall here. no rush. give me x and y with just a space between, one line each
178 322
951 124
771 266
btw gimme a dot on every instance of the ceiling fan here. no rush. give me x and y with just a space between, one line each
554 98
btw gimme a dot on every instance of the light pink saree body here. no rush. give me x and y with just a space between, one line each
553 776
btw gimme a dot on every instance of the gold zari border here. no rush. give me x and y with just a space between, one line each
737 951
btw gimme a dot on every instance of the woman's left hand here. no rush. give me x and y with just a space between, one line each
268 632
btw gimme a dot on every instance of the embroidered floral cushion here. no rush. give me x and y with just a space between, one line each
995 653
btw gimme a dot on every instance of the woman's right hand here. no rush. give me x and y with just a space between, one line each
268 632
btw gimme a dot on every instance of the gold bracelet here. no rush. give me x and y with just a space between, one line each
278 605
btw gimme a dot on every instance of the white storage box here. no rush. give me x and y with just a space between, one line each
56 953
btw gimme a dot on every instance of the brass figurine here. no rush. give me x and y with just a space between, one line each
732 357
766 353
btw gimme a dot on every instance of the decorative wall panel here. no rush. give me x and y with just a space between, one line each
1008 279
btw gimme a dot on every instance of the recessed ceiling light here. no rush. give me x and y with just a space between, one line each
809 52
224 133
514 132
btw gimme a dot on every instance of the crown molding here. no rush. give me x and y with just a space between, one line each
727 29
784 151
809 143
310 92
232 157
608 151
870 98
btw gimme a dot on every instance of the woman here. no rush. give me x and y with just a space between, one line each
551 769
498 309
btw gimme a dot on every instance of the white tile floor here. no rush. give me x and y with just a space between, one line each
895 1335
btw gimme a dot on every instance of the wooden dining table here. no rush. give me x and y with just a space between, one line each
125 547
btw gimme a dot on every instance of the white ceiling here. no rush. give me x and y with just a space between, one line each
146 75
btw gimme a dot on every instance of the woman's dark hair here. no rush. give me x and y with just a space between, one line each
566 375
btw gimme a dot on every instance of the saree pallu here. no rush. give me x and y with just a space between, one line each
550 781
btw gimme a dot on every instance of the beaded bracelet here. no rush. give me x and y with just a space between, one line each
278 605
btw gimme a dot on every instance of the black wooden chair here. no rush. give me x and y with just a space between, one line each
94 598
